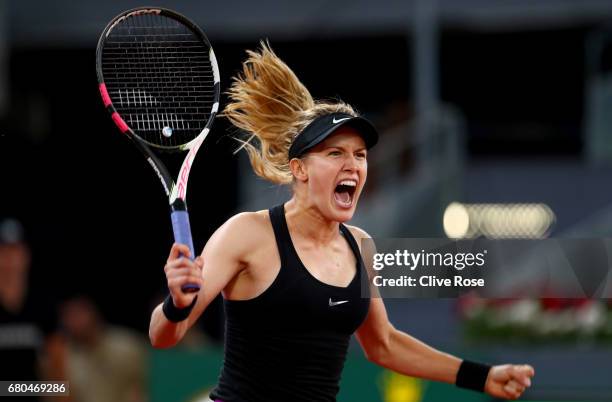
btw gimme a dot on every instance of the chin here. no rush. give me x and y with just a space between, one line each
343 213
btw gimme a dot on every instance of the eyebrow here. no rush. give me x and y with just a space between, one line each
342 148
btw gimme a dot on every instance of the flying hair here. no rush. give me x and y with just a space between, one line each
271 106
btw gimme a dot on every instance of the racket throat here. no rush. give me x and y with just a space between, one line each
178 205
161 173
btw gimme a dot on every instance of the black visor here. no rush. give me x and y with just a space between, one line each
322 127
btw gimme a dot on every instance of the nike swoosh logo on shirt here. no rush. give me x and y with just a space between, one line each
339 120
335 303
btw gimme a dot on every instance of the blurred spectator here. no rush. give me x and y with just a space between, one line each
30 347
105 363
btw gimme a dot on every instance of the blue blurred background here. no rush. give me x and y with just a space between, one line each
477 101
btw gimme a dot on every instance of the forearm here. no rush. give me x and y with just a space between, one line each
409 356
164 333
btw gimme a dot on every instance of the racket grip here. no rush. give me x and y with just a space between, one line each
182 235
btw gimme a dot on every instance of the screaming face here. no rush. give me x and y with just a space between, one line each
334 173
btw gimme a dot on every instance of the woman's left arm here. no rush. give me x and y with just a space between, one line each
400 352
395 350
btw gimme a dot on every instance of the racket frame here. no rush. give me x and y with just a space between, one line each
176 191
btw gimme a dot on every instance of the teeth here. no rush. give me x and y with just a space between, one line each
352 183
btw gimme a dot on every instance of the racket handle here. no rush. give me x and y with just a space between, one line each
182 235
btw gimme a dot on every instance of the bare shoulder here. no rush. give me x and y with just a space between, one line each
367 248
248 220
358 233
239 234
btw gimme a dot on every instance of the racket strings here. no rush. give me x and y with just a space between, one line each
159 76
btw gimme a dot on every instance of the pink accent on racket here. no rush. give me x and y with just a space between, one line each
123 127
104 93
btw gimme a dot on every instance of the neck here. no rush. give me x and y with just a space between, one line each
309 222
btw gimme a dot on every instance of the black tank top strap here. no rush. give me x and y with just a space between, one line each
281 233
361 274
352 242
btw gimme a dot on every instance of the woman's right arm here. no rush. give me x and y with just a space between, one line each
222 259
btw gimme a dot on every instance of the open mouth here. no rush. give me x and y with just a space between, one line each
344 192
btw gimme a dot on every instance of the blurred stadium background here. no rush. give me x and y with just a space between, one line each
478 102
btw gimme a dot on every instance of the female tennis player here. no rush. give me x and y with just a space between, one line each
291 276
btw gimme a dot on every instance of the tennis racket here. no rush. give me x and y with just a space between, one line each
159 80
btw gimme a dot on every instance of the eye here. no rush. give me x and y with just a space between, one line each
334 153
361 155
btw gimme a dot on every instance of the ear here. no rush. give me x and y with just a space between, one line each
298 169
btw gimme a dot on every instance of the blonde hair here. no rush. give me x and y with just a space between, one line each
272 106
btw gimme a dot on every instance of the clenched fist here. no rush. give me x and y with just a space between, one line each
509 381
181 270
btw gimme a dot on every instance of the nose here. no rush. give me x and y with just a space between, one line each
350 163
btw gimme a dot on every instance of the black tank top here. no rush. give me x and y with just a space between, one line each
289 343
